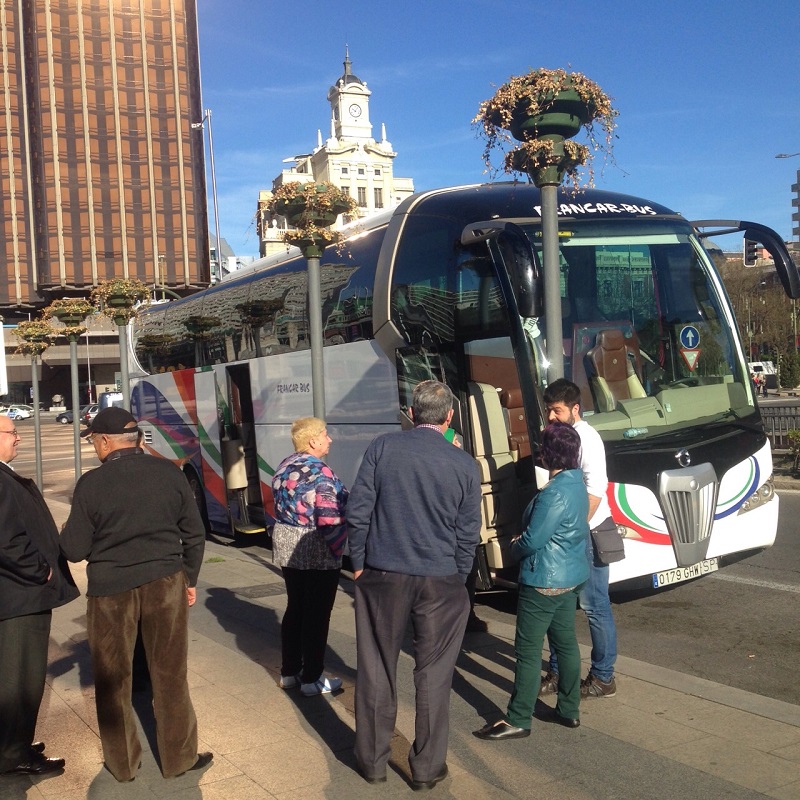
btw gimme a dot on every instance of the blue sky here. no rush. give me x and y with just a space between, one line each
708 91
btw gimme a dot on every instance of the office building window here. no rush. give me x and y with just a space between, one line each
379 198
362 196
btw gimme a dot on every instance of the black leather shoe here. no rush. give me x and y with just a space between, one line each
375 779
37 765
501 730
38 747
420 786
203 760
476 624
553 716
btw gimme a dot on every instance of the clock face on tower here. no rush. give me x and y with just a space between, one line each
355 111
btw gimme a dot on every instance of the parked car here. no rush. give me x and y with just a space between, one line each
88 413
65 417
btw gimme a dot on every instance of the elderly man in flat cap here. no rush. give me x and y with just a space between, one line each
135 521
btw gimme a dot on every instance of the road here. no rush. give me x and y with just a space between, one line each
740 626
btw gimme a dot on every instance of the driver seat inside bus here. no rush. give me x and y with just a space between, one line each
614 361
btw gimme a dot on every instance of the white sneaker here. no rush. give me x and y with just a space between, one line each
322 685
289 681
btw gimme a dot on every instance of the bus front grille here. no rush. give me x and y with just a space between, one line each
688 498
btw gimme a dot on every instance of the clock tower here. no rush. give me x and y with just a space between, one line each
349 158
349 99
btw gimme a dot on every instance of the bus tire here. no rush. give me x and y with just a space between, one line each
196 486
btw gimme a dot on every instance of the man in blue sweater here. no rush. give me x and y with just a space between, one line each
413 522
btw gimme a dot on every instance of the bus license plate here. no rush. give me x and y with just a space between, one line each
669 576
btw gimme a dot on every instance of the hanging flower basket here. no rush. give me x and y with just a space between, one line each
34 337
121 298
311 203
564 117
299 216
546 106
547 161
311 208
71 312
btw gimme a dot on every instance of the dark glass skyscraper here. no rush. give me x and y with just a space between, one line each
101 172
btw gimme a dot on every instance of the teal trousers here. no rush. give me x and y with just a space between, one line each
537 615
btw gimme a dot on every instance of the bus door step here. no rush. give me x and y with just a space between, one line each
249 530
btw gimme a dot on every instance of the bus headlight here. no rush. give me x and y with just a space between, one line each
760 496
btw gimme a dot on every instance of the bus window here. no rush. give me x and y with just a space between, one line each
263 312
422 298
480 309
643 318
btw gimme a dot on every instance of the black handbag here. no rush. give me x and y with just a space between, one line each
608 544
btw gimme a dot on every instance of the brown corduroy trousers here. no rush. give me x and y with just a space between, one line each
112 621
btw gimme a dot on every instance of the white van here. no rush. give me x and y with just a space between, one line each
767 369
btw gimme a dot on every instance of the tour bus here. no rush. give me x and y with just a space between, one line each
449 286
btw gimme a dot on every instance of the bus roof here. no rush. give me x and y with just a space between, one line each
511 199
477 202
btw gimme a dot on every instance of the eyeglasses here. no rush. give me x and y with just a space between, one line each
13 433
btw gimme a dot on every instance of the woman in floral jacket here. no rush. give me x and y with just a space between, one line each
307 541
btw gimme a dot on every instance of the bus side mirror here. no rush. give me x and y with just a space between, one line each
758 237
761 236
526 280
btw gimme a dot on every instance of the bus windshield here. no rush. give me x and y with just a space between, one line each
648 334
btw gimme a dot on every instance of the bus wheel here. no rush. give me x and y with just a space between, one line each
199 496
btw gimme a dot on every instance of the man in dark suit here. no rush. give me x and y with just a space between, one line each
34 579
413 521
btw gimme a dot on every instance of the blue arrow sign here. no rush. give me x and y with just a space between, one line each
689 336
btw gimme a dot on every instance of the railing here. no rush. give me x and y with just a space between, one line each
778 421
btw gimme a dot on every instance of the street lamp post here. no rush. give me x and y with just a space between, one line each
195 126
88 370
35 337
72 314
76 405
37 421
122 331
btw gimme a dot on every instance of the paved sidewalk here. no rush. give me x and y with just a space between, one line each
665 734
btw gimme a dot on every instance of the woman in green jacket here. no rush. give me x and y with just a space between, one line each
552 555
